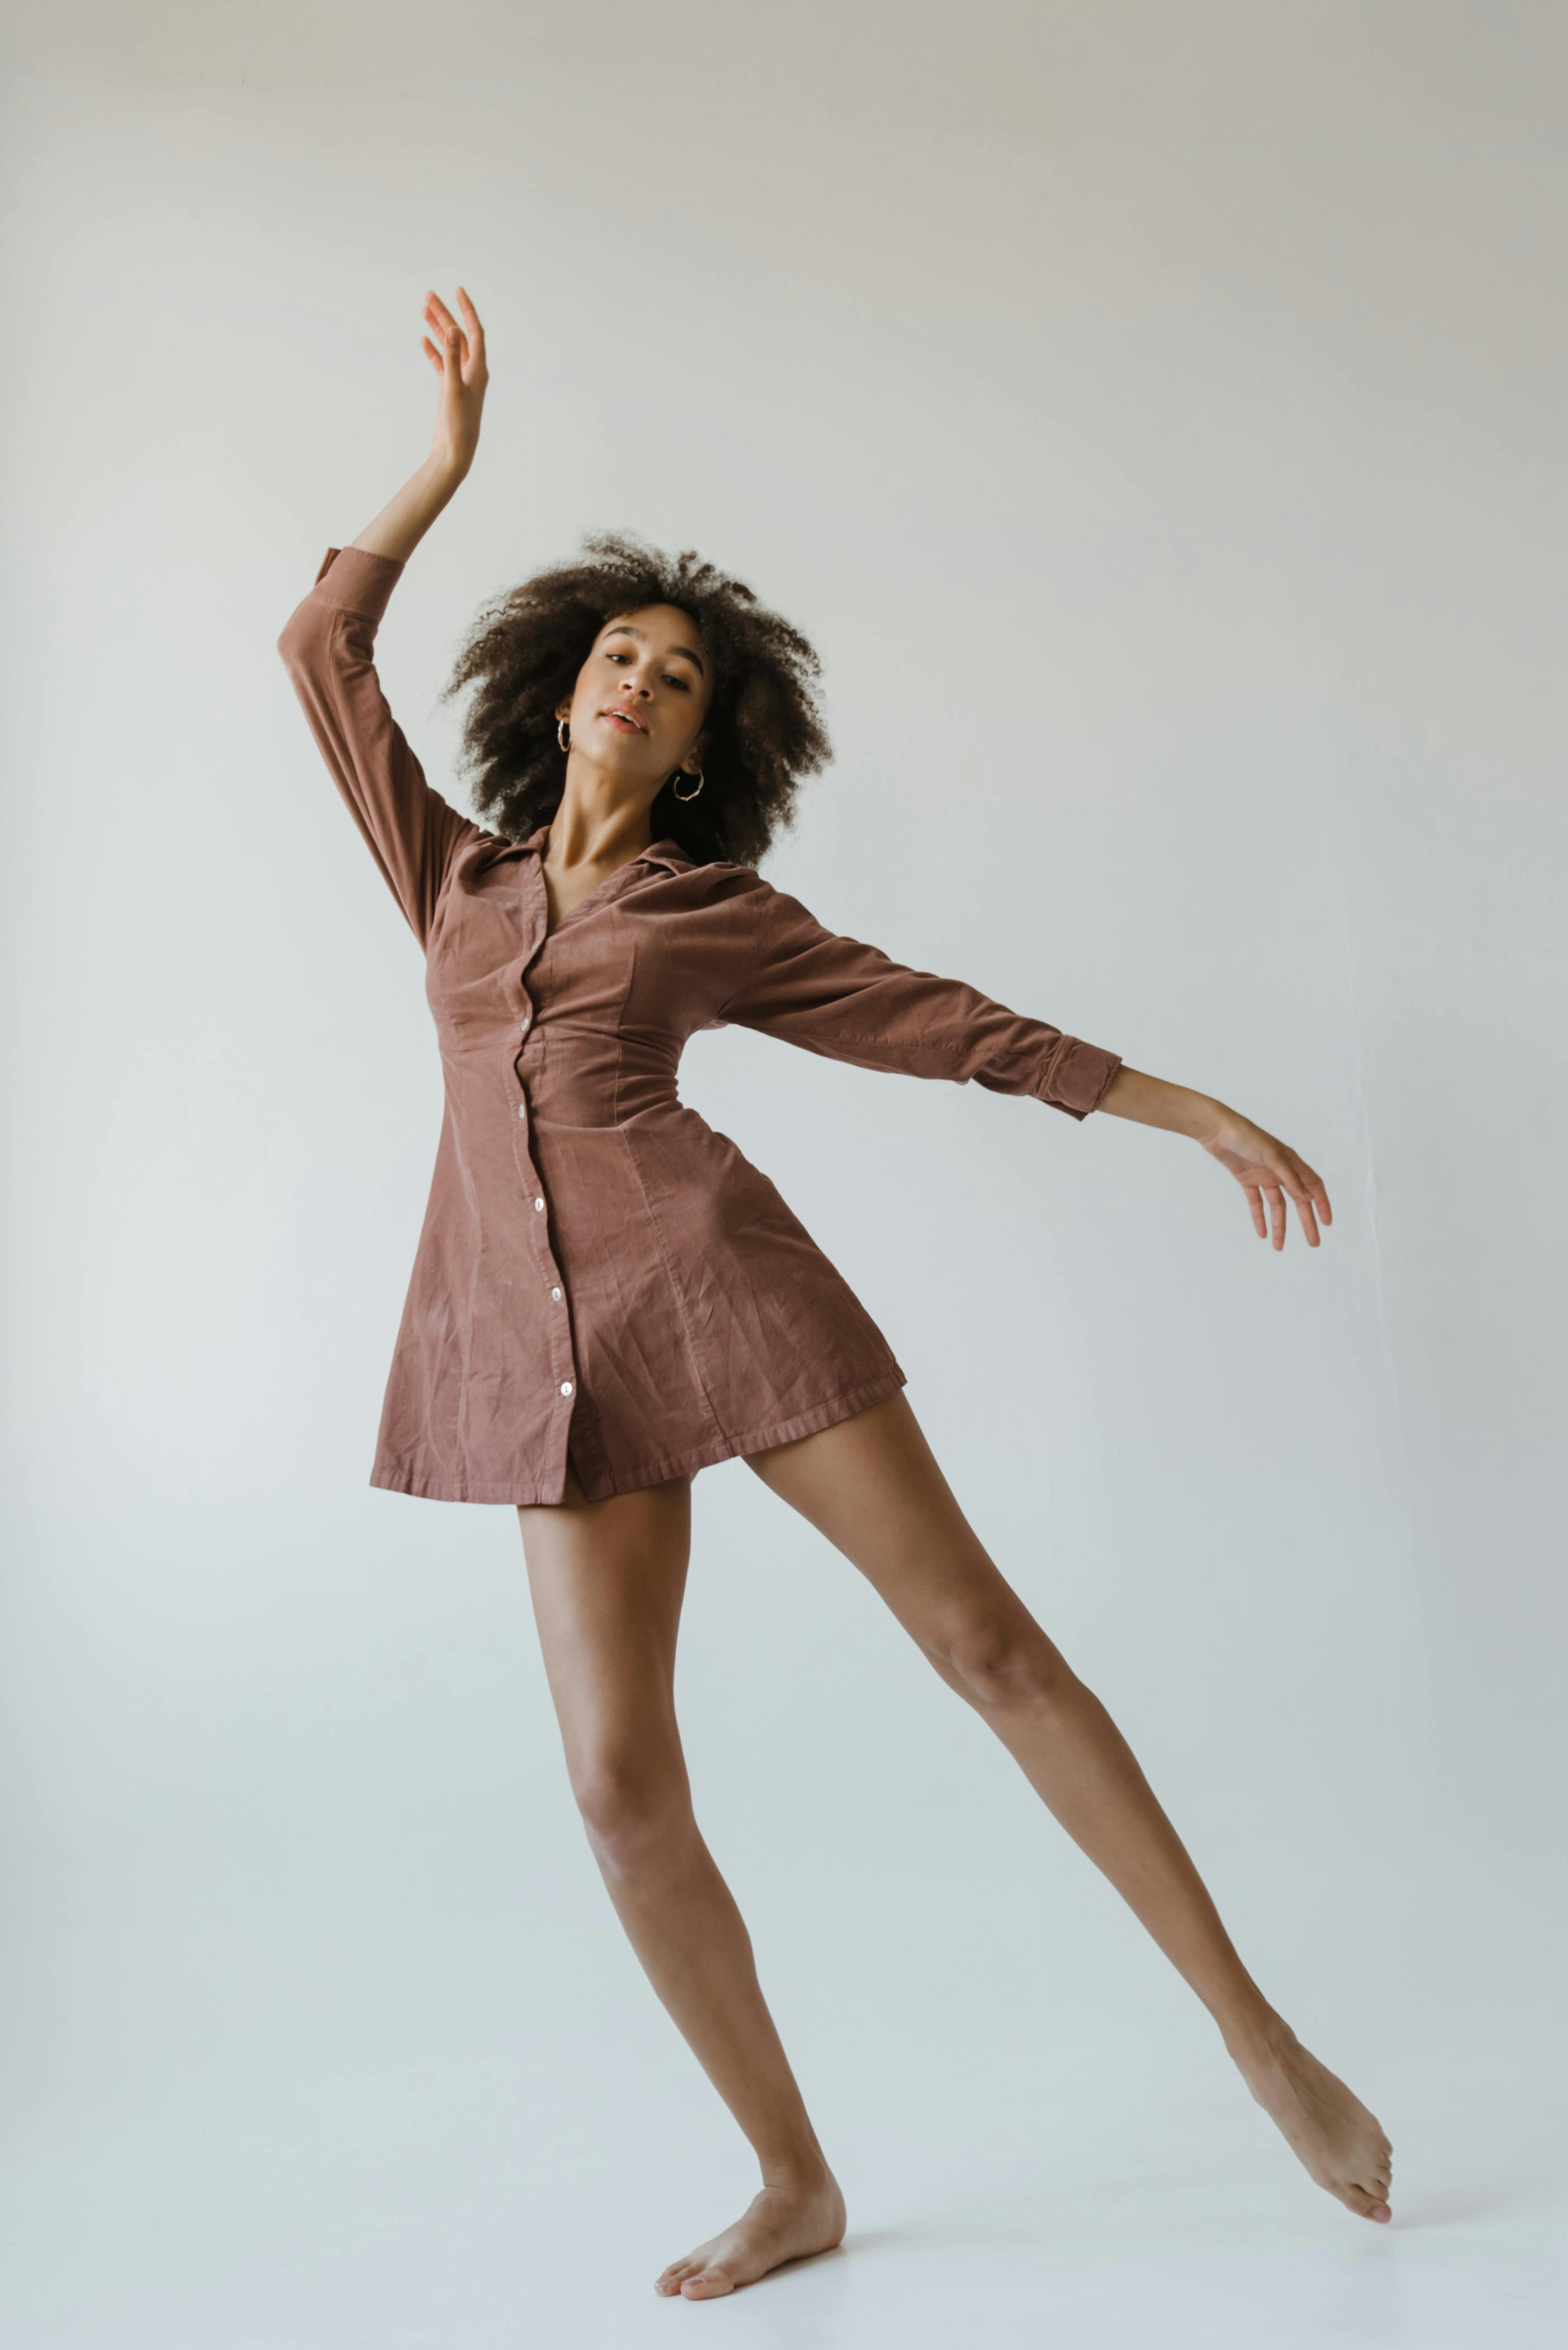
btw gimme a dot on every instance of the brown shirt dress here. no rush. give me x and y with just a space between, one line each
600 1275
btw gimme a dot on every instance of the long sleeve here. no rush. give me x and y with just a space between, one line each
837 996
326 647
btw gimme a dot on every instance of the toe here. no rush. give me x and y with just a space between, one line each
707 2284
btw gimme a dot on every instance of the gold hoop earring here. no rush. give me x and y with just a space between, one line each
675 785
561 734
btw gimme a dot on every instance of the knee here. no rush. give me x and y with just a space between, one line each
999 1660
635 1809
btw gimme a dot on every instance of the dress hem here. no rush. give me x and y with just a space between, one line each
389 1479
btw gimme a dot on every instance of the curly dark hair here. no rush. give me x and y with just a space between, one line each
761 734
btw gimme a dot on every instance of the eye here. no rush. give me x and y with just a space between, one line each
618 653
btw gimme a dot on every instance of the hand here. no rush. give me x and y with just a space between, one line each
458 358
1268 1169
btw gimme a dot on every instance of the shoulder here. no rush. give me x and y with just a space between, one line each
739 905
729 914
719 883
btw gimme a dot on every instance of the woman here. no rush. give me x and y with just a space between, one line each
608 1296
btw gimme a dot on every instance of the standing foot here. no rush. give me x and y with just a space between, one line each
781 2223
1341 2145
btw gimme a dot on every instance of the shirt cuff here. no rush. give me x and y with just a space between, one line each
351 580
1078 1076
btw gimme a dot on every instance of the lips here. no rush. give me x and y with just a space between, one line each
624 720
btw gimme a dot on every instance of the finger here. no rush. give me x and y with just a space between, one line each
1276 1200
474 371
433 356
442 333
445 332
449 353
1294 1184
1256 1205
1312 1190
1309 1221
1313 1185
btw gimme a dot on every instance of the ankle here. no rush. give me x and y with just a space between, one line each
802 2171
1260 2036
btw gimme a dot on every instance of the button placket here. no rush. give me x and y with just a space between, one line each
559 1346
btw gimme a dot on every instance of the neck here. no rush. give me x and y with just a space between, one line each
595 825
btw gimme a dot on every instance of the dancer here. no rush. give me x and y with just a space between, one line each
608 1296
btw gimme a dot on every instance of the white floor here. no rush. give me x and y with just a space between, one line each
1107 2199
318 2032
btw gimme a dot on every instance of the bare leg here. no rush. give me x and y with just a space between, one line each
608 1579
871 1485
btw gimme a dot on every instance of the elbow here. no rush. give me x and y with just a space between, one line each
302 641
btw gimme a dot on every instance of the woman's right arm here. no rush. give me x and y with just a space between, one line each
327 646
459 363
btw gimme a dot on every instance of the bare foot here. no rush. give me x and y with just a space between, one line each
781 2223
1341 2145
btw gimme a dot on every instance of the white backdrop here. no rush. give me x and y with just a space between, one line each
1154 414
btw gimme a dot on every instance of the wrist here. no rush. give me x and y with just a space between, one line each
1206 1119
1155 1101
446 467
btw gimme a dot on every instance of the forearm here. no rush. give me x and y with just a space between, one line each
1152 1102
405 518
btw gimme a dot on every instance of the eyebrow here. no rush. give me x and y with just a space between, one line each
625 628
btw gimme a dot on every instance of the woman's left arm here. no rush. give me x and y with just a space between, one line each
849 1001
1267 1168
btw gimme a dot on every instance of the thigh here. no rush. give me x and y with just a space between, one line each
873 1486
607 1580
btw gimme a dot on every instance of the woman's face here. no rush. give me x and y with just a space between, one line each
641 698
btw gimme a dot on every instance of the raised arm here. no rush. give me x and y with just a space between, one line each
327 645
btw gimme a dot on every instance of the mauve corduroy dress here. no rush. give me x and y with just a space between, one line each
600 1275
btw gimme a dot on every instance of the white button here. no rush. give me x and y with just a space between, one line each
554 1293
523 1022
521 1109
538 1203
566 1386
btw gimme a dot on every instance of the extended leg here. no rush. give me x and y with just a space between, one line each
608 1579
871 1485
